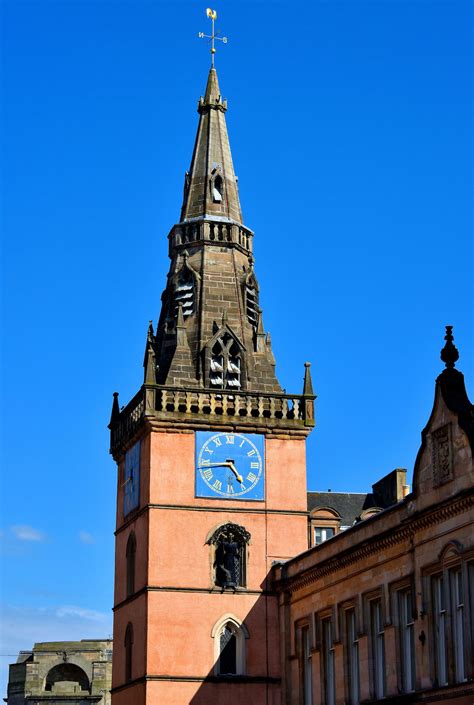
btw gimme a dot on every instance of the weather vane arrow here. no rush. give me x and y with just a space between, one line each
212 14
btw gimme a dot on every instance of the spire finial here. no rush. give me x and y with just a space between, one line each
308 383
450 353
212 14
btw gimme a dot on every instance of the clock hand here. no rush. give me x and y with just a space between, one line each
226 464
234 470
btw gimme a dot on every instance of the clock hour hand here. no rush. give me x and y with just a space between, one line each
226 464
231 465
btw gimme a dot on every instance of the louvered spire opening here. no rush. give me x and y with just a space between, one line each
225 365
185 294
251 299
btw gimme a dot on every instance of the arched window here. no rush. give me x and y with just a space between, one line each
128 643
226 364
217 188
130 556
228 650
229 636
229 555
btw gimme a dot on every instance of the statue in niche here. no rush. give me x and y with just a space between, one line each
228 562
229 542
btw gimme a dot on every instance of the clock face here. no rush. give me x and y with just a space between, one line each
131 488
230 465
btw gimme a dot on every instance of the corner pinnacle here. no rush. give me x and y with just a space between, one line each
450 353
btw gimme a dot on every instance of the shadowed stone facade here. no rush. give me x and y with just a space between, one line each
383 611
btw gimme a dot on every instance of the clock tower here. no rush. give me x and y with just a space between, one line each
211 464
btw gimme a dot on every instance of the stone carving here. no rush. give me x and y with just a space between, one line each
230 550
442 455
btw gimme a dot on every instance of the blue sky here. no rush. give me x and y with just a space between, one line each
351 131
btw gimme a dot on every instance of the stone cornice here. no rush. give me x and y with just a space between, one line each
369 546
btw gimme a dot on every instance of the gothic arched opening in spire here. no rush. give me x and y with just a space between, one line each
224 362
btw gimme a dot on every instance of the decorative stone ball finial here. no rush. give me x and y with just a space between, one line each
449 354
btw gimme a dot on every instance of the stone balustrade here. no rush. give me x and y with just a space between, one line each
197 407
211 232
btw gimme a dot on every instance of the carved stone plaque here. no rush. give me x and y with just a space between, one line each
442 455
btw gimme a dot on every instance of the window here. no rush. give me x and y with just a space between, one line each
225 365
128 652
439 604
351 644
184 294
217 189
229 555
307 679
406 635
457 612
327 654
251 302
228 651
130 558
448 626
322 533
229 636
377 637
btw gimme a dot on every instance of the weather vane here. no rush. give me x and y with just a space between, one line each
212 14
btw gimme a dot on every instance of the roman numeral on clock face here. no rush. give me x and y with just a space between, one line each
217 485
251 477
251 452
255 465
207 474
230 439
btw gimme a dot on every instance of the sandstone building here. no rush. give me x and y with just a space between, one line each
63 673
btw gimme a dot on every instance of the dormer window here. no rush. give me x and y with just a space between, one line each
184 294
217 189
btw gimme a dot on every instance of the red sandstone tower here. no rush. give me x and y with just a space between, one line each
211 465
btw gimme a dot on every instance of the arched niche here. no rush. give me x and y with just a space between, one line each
65 678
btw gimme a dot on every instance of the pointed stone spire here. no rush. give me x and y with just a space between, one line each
308 382
211 186
260 335
450 353
181 339
213 93
149 362
114 416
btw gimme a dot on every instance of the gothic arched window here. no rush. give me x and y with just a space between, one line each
226 364
128 643
217 189
229 556
130 558
229 636
228 650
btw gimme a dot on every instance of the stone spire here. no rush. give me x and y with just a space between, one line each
210 189
210 333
